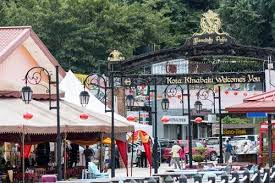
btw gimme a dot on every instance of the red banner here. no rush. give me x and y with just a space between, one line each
122 147
27 151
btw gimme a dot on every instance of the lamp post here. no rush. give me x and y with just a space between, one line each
172 91
204 94
97 80
35 76
137 81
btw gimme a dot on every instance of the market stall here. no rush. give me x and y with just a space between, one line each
262 104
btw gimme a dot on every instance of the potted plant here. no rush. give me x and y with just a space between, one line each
200 155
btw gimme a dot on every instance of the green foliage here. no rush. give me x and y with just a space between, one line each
249 21
82 33
200 153
229 120
201 150
198 158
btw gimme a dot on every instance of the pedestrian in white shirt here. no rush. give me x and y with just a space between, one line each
176 155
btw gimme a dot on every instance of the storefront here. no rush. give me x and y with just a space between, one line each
235 129
176 127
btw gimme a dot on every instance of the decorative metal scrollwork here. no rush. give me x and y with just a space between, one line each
97 85
173 91
206 94
35 77
134 82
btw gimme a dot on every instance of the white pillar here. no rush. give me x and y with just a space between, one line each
269 80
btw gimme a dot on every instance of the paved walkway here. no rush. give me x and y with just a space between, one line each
141 172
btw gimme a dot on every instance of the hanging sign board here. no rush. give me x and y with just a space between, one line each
256 115
221 78
235 131
177 120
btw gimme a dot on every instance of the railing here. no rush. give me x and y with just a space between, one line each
267 176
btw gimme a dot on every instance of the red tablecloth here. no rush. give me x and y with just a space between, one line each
49 178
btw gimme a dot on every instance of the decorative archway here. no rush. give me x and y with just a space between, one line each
211 42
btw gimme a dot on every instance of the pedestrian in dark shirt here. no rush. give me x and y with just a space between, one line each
228 151
116 157
88 155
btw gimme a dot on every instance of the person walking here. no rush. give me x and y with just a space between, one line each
117 164
143 157
228 151
176 155
88 155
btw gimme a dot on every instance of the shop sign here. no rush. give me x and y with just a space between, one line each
213 79
235 131
177 120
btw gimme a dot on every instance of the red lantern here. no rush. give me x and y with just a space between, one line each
27 116
245 94
226 92
165 119
198 120
179 96
84 116
235 93
131 118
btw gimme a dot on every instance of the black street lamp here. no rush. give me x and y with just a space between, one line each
26 94
84 97
93 81
204 94
34 76
137 81
198 106
165 104
172 91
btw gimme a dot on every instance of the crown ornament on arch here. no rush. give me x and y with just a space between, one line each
210 24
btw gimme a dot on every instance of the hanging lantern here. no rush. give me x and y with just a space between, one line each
84 97
84 116
179 96
235 93
198 106
27 116
26 94
198 120
245 94
165 119
165 104
226 92
131 118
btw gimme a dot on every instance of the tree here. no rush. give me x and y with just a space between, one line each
248 21
81 33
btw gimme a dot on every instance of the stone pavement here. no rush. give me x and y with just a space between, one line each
141 172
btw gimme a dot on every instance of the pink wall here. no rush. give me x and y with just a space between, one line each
14 68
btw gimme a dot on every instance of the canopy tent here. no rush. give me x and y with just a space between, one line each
260 103
264 102
43 122
72 87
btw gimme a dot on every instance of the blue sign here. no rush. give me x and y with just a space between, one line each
256 115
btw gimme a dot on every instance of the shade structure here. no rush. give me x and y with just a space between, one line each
264 102
72 87
43 122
